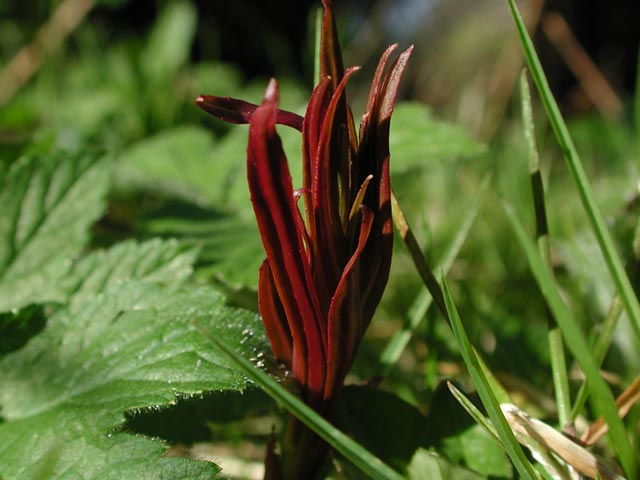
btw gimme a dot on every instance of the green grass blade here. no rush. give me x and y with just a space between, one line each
556 345
498 390
559 376
600 392
527 123
600 347
355 453
483 385
475 413
422 267
399 341
611 257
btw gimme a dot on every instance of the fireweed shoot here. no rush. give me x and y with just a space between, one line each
326 281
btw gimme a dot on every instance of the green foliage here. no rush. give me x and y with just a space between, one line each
601 394
18 326
196 183
418 137
426 465
46 207
115 268
120 341
385 424
395 431
131 347
175 161
486 390
368 463
454 435
230 246
574 164
169 42
155 261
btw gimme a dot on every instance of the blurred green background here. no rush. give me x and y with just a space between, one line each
122 76
462 64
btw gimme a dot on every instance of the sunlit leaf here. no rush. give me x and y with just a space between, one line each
47 205
132 347
155 261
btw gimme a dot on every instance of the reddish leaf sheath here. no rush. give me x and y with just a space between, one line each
273 316
274 205
236 111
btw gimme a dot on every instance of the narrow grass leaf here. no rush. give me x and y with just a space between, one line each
599 348
497 389
577 344
527 123
423 268
611 257
556 345
355 453
475 413
483 385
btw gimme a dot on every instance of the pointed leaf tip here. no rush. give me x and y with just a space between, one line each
271 94
233 110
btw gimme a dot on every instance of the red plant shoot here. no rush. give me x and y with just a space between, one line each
324 274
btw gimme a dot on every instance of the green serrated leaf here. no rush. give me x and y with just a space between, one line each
132 347
417 138
187 162
47 205
166 262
